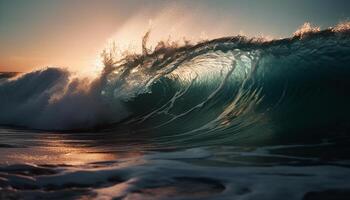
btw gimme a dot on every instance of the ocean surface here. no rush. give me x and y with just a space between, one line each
229 118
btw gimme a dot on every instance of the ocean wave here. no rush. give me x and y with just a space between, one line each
226 90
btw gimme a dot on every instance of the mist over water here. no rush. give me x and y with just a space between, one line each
274 112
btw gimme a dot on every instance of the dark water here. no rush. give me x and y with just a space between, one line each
48 165
231 118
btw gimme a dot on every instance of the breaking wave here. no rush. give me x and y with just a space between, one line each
226 90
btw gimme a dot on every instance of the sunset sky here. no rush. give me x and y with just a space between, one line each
71 33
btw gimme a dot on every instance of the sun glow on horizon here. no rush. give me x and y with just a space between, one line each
73 35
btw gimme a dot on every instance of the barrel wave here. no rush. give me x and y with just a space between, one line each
231 90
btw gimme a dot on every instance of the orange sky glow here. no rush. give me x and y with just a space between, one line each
72 34
76 44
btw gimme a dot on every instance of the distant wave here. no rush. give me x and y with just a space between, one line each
7 75
222 90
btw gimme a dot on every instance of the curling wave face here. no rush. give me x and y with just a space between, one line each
223 91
